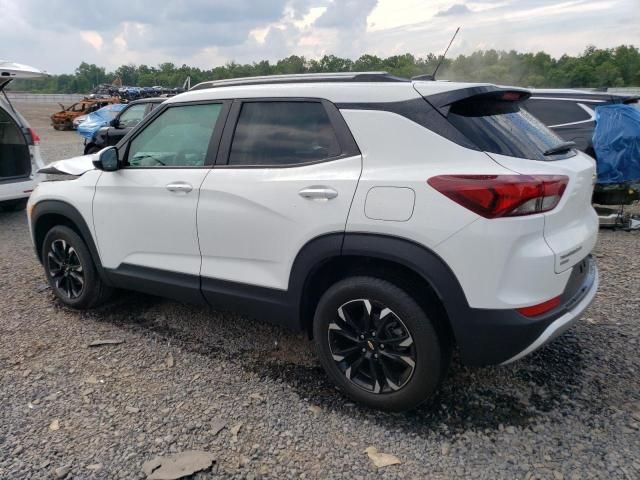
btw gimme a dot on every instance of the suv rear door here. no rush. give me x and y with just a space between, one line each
286 173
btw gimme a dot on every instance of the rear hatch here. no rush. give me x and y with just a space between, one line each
17 139
491 118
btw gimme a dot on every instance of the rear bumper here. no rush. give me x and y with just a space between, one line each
502 336
562 324
16 189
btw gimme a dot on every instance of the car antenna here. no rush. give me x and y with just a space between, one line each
442 57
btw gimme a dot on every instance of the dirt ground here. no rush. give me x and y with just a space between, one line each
189 378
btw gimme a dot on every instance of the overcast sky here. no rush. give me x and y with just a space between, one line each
57 35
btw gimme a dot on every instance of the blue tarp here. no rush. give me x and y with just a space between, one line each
98 119
616 141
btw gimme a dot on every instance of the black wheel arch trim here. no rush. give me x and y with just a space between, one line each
483 336
71 213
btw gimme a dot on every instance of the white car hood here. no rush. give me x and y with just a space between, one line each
71 166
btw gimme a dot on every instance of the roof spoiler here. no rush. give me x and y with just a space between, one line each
443 101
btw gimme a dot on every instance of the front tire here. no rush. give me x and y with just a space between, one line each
91 148
70 270
378 345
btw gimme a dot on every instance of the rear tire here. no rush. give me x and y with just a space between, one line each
378 345
70 270
14 205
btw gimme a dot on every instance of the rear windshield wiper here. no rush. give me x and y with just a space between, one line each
561 147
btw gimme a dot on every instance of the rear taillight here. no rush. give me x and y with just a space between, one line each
535 310
493 196
34 136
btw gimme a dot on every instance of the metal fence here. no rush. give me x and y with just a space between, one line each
64 98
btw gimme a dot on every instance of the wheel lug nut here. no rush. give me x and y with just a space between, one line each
382 346
373 334
361 337
375 355
364 350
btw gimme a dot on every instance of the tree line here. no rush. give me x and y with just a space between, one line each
613 67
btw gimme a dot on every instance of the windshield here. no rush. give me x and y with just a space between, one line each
499 126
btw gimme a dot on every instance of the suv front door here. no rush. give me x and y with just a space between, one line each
145 212
286 174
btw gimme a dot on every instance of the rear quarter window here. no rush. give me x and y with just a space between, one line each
503 127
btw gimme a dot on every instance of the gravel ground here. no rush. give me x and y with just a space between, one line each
571 410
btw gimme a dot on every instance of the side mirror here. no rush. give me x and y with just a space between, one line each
115 123
107 160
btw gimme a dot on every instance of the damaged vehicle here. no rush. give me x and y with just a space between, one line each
19 151
98 119
64 119
392 221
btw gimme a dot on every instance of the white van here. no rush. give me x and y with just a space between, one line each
19 151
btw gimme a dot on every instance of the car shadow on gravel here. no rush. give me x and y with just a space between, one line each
489 398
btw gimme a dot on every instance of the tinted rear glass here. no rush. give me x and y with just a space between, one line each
502 127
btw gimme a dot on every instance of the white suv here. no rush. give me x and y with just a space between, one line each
392 220
19 150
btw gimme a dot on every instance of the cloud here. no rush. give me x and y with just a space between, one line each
207 33
346 13
454 10
92 38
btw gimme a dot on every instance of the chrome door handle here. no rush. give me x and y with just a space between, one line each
318 192
179 187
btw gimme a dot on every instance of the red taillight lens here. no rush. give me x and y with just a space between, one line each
535 310
34 136
493 196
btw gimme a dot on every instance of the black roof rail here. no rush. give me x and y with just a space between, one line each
302 78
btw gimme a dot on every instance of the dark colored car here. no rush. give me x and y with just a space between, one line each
122 124
571 113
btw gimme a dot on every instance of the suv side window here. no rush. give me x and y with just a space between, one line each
556 112
131 116
178 137
276 133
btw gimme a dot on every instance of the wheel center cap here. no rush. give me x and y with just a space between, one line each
370 344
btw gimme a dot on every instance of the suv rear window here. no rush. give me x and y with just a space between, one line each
283 133
499 126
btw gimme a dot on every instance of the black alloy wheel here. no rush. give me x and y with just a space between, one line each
65 269
378 344
372 346
70 269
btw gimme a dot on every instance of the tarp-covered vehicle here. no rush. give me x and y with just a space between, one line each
98 119
19 150
616 142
